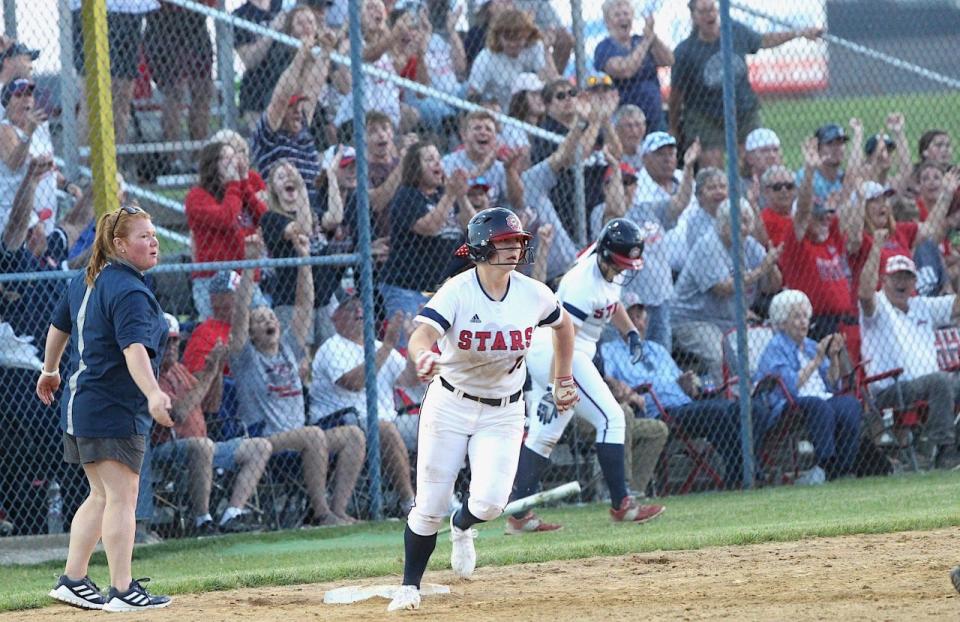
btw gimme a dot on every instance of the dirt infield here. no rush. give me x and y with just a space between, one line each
900 576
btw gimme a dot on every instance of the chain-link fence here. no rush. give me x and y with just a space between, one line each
235 119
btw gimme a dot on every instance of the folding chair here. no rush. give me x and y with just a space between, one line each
778 452
702 454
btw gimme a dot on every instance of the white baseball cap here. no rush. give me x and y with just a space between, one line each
526 82
900 263
762 137
173 325
655 141
872 190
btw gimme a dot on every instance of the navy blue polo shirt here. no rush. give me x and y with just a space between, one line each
100 398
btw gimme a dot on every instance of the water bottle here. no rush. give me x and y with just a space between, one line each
54 508
887 437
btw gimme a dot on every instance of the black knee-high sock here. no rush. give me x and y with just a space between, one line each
610 456
529 471
463 519
417 551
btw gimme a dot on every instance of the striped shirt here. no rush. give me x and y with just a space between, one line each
269 146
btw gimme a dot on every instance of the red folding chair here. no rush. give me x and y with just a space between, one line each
700 455
778 452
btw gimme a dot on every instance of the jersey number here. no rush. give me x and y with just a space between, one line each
516 365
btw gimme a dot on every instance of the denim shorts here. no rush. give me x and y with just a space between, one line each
223 453
346 416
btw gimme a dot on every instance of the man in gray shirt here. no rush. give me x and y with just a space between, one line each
265 362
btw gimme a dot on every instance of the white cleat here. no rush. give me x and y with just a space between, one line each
463 556
406 598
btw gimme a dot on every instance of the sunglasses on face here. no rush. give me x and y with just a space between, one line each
562 95
129 209
782 185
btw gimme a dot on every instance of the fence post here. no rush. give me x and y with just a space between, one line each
103 151
68 96
366 262
733 183
224 35
10 18
580 59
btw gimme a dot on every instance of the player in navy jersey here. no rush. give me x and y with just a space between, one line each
590 292
483 321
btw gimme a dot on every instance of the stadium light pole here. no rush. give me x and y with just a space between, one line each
733 183
366 261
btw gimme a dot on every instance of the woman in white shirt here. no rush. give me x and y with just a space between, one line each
514 46
24 134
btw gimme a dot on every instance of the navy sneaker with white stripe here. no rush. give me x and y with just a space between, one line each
82 593
135 598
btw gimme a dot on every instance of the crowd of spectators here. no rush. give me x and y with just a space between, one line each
277 354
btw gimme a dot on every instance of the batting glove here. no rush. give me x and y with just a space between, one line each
636 347
565 393
428 365
547 409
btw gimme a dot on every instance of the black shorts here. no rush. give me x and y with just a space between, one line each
124 36
177 47
84 450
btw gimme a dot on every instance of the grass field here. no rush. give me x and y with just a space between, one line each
796 119
904 503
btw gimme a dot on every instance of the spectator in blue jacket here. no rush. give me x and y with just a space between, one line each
811 373
716 419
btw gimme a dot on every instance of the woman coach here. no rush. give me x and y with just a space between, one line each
118 332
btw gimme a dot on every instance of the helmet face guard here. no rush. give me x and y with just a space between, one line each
620 248
495 225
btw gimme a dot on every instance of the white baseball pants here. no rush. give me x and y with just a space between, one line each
452 428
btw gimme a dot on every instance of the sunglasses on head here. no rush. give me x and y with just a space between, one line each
129 209
562 95
782 185
600 82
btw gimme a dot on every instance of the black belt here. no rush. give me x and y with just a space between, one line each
489 401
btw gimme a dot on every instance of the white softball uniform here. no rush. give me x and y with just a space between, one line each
591 301
474 406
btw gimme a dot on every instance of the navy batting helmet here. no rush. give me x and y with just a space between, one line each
621 244
492 225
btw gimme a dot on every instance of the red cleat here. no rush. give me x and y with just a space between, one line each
631 511
531 523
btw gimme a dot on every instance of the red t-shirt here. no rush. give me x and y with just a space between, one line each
900 242
820 271
777 225
202 341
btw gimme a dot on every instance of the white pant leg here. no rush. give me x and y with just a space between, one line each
597 404
442 446
494 450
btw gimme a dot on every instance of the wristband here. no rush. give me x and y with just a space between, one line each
49 374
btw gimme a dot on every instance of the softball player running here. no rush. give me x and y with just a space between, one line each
483 321
590 292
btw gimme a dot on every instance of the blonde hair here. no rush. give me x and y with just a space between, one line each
229 137
115 224
511 20
273 197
